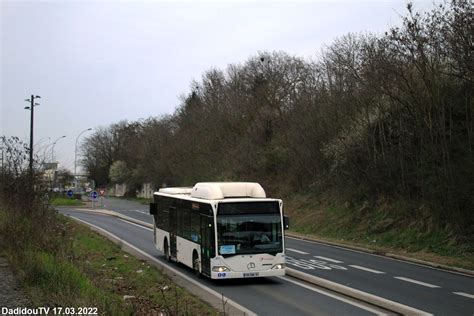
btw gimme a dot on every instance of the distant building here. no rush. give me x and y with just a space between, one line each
49 171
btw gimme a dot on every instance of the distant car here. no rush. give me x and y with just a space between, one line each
88 190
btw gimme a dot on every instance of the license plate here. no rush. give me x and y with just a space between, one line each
251 275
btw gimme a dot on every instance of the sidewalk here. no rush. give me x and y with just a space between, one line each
11 295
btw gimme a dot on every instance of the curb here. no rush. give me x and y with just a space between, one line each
116 214
384 254
233 308
356 294
333 286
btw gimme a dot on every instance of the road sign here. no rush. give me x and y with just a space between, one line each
70 193
102 191
94 195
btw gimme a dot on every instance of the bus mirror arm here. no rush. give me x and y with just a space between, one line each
153 208
286 222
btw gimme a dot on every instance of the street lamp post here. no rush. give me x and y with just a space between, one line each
52 161
42 140
52 148
45 151
31 108
75 155
42 148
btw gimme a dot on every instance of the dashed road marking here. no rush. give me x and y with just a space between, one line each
297 251
367 269
328 259
464 294
385 257
140 211
417 282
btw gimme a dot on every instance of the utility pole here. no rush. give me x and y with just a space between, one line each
31 108
3 172
2 183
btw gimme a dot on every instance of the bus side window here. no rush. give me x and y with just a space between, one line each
159 213
183 216
179 218
162 213
186 220
195 226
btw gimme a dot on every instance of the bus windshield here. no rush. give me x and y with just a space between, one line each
249 234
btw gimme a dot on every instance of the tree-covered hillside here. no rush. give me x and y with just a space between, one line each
369 118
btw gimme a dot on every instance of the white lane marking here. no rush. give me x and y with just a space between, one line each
143 212
317 263
367 269
464 294
122 220
337 297
380 256
417 282
246 311
356 294
328 259
297 251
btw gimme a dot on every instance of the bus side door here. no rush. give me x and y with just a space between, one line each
173 229
207 243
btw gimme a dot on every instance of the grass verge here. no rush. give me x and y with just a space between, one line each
72 266
385 227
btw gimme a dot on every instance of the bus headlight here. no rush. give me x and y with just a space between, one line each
220 269
279 266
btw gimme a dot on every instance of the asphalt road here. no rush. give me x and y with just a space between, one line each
129 208
431 290
264 296
428 289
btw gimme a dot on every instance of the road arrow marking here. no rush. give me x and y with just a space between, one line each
328 259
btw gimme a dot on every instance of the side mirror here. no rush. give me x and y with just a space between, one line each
286 222
153 208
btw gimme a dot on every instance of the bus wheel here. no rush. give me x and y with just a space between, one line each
196 264
166 250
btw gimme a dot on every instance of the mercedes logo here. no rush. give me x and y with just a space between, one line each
251 266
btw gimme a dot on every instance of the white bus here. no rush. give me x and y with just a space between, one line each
221 230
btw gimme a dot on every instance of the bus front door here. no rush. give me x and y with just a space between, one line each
207 243
173 229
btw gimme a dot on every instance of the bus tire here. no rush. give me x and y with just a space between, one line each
196 264
166 250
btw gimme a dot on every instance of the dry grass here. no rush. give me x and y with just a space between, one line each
385 227
62 263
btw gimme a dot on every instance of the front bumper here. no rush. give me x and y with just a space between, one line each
247 274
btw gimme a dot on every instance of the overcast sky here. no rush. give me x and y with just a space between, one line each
99 62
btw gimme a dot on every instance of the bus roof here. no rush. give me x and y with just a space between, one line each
219 190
